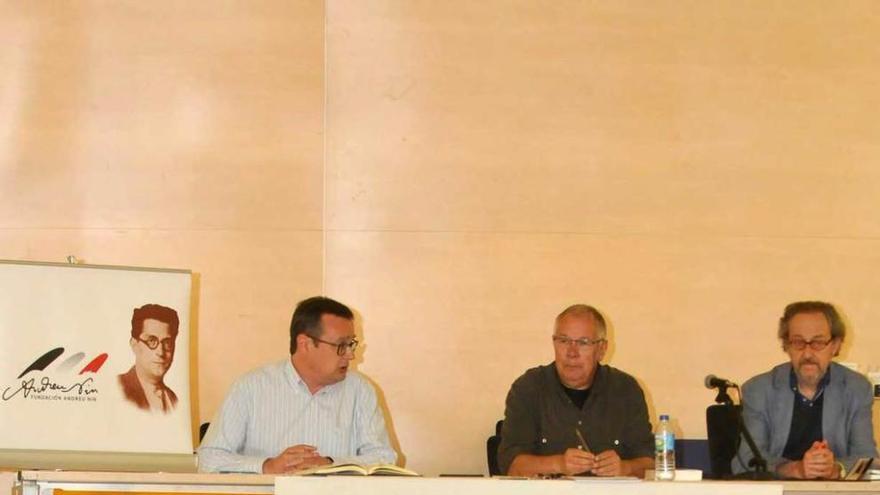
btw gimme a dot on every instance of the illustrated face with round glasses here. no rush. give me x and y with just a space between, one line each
810 347
153 350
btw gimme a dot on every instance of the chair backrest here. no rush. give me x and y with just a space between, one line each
722 429
203 428
692 454
492 444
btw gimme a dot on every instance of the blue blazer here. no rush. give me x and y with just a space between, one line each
846 416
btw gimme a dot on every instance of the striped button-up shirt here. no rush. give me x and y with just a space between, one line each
271 409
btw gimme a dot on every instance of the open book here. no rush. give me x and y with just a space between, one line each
859 469
358 470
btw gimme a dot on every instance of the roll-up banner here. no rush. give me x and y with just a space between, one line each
94 367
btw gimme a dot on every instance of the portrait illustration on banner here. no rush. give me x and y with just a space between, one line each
154 331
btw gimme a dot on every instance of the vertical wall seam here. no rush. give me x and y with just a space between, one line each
324 159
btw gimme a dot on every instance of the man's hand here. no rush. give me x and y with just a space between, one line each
607 463
294 459
818 462
575 461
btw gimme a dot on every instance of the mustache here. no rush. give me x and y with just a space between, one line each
807 360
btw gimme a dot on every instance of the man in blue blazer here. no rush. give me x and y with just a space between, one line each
810 417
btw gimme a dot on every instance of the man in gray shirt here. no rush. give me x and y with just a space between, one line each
549 406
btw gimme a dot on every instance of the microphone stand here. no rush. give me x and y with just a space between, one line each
757 462
723 397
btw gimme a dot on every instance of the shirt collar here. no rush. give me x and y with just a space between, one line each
298 383
293 377
793 385
598 379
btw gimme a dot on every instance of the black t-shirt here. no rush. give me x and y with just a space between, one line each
578 397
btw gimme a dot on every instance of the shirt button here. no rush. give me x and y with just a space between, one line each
617 442
543 440
579 422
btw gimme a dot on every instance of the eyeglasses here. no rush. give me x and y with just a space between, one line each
816 345
153 342
581 343
341 348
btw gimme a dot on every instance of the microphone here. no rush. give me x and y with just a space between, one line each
713 381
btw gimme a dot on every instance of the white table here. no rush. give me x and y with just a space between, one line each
387 485
45 482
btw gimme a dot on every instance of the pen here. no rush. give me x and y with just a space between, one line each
580 436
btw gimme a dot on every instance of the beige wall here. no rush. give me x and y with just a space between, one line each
459 172
687 169
172 134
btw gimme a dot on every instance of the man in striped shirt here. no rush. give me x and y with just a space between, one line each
305 411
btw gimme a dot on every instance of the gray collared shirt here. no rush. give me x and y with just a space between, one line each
540 419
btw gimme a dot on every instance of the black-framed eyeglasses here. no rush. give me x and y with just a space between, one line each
152 342
341 348
581 343
815 344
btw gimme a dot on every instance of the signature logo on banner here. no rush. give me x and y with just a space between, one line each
67 381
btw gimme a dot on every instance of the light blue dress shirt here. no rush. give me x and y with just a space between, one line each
271 409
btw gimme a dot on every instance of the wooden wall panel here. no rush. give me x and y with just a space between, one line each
451 319
688 168
185 135
715 119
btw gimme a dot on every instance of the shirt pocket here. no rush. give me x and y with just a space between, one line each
549 444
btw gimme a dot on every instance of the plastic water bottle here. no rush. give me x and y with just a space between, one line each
664 450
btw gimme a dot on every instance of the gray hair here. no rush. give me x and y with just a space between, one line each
585 310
